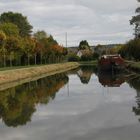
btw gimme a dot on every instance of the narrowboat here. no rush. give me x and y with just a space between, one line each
111 62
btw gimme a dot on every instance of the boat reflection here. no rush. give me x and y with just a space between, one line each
111 80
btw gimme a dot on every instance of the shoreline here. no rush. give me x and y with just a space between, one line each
10 78
133 66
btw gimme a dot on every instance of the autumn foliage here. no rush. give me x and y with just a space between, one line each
19 47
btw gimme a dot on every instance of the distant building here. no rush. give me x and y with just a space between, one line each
80 53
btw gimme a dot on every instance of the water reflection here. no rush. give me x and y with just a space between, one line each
135 83
107 79
85 73
17 104
111 80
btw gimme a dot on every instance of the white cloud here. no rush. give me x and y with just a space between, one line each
98 21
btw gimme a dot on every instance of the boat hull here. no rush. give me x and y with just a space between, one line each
108 63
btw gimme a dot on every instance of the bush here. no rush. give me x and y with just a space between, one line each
95 56
73 58
131 50
88 56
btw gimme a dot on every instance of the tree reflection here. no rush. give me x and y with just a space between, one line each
84 73
135 83
17 104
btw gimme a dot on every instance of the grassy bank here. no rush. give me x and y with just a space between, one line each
93 63
19 76
134 66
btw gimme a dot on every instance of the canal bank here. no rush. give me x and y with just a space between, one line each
10 78
133 66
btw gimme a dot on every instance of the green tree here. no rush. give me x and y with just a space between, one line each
131 49
136 22
12 46
2 46
84 45
9 29
18 19
48 44
28 48
39 35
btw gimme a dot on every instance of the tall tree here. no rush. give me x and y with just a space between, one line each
39 35
2 46
28 48
18 19
136 22
12 46
9 29
84 45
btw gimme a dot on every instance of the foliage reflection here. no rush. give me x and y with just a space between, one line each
135 83
18 104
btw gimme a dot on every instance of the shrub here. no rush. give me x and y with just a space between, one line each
73 58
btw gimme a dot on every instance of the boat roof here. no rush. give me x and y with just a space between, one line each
112 55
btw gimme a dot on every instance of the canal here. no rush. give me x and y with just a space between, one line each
81 104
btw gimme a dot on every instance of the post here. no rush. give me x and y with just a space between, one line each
66 37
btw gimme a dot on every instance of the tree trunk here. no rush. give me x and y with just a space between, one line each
35 59
19 60
28 60
4 58
41 57
45 60
10 60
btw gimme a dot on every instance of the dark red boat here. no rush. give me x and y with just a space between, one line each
110 62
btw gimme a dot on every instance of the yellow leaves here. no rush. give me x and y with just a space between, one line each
2 38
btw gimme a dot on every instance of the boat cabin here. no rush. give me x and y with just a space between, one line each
109 62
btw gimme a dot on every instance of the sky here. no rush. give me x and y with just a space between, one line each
97 21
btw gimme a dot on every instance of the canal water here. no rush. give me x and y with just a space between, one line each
81 104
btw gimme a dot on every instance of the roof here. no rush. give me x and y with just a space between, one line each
107 56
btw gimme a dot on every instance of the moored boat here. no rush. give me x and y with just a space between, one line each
111 62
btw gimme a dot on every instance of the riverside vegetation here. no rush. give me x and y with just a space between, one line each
19 46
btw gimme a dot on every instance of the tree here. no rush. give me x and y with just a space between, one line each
49 43
84 45
136 22
39 35
87 55
28 48
12 46
38 51
2 46
131 50
9 29
18 19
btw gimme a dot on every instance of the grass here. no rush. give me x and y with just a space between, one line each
93 63
135 66
14 67
13 74
21 67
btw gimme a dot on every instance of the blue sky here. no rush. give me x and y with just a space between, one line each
97 21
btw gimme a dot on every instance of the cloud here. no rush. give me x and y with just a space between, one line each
97 21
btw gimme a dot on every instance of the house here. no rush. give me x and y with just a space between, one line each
86 52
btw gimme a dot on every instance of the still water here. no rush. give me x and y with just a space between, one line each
76 105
